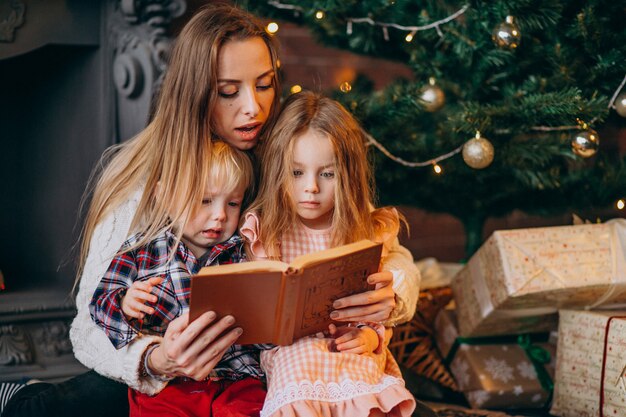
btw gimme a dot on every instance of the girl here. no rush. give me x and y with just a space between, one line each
221 83
316 193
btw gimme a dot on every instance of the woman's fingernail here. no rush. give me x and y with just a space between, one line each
334 315
337 304
211 315
230 319
239 330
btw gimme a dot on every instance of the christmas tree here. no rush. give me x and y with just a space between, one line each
504 107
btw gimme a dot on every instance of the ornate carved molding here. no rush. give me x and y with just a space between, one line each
11 19
15 346
53 338
140 44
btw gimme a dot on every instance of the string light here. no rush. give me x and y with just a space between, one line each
437 169
384 25
319 15
616 93
285 6
272 28
295 89
409 37
413 29
373 142
620 204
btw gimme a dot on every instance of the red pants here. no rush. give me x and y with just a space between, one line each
202 399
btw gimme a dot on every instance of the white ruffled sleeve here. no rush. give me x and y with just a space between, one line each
91 346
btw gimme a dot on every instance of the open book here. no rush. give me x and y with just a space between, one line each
275 302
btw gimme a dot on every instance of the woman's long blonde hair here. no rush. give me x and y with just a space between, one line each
173 148
353 218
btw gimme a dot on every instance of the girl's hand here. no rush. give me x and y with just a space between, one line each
134 302
371 306
357 340
193 349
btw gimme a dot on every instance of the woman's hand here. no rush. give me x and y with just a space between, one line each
193 349
370 306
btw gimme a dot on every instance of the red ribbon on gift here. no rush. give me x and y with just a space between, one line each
603 372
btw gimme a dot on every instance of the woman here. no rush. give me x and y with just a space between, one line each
221 83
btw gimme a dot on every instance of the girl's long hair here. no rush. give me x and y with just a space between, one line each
173 149
352 218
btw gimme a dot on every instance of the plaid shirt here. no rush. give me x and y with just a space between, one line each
151 260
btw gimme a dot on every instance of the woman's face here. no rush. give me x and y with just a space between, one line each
245 92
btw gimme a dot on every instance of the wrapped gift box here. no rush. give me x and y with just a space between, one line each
518 279
497 372
591 364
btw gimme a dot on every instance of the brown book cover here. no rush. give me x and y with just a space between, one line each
275 302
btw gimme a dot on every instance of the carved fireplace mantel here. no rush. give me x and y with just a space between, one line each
75 78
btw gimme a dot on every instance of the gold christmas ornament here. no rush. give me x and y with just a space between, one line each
432 97
507 34
345 87
478 152
586 143
620 105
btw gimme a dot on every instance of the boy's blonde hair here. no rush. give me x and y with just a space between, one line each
352 218
173 149
230 169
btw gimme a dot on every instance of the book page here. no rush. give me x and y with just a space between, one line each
324 283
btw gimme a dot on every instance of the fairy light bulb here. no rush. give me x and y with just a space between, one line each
319 15
437 169
620 204
409 37
272 28
345 87
295 89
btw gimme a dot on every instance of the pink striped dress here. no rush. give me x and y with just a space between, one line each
306 378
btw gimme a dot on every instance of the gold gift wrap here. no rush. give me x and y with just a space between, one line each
518 279
591 364
497 372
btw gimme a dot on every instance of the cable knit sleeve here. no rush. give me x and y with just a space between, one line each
406 281
91 346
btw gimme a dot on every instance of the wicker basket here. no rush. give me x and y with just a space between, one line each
413 343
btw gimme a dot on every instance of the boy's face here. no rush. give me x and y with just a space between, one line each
215 221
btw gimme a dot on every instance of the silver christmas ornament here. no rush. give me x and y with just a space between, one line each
507 34
478 152
586 143
432 97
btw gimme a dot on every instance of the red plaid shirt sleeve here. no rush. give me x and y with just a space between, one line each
106 304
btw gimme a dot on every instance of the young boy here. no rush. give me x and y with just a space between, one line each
147 285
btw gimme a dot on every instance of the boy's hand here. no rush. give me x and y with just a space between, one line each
134 302
357 340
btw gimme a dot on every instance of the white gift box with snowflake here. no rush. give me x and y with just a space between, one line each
518 279
591 364
495 372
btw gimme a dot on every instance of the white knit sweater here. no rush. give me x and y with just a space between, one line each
91 346
94 350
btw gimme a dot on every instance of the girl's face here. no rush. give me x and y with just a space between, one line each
245 92
215 221
314 179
